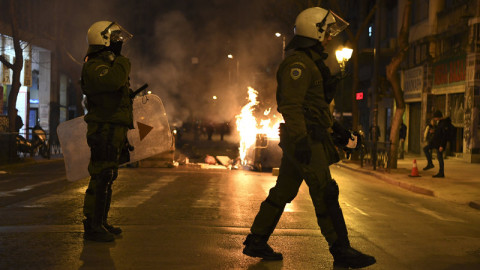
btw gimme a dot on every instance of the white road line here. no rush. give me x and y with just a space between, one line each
144 194
209 197
437 216
29 187
51 199
357 209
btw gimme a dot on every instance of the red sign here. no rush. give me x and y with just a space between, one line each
449 72
359 96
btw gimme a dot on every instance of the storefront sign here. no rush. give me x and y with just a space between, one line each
451 71
413 84
27 73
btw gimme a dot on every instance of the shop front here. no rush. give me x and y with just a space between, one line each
33 99
413 84
448 96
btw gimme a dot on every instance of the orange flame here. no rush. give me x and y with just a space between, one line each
248 126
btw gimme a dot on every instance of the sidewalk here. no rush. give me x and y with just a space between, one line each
460 185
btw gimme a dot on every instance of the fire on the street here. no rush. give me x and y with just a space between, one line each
248 126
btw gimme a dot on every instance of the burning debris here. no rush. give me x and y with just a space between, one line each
258 146
256 136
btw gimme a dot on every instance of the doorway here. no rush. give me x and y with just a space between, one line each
414 127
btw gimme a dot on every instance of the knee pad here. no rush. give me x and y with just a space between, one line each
331 192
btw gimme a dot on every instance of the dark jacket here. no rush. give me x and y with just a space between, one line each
105 83
300 95
403 131
441 134
302 101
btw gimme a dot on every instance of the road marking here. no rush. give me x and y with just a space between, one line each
209 197
144 194
437 216
357 209
29 187
51 199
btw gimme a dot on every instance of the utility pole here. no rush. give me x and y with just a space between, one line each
376 69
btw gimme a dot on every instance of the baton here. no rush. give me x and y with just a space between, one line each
143 87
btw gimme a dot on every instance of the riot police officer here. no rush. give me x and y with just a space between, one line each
308 138
105 82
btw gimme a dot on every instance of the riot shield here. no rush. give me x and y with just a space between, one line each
150 137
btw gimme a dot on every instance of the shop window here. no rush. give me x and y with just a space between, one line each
456 109
437 103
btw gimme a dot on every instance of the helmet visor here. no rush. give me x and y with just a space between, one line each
335 24
120 35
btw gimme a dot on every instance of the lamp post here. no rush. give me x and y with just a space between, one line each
237 64
277 34
343 55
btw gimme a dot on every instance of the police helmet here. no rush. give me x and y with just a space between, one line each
104 32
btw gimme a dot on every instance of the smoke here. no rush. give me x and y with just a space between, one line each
180 49
166 65
185 61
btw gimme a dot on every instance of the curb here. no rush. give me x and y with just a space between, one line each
383 177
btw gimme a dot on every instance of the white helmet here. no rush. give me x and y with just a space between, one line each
104 32
315 22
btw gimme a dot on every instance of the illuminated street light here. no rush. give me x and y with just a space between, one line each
343 56
214 97
277 34
230 56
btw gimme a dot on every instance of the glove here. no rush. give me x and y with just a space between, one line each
340 135
303 153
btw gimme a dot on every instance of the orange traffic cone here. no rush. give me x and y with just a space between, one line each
414 169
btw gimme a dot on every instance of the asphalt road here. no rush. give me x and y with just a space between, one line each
197 219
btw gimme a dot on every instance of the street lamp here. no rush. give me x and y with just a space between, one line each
277 34
230 56
343 56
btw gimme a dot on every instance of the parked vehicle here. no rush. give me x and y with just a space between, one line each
39 143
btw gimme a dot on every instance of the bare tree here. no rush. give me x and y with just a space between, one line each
392 77
16 67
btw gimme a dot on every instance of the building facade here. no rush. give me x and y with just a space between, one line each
441 72
49 92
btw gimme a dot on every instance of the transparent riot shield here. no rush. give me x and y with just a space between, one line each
150 137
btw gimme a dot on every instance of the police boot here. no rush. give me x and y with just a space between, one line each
256 246
87 225
97 232
344 256
110 228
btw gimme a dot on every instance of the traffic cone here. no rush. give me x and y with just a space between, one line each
414 169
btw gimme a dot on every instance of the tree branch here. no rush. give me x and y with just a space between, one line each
5 62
